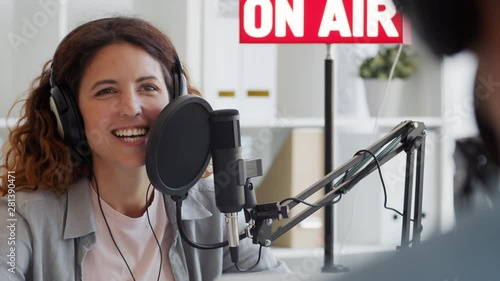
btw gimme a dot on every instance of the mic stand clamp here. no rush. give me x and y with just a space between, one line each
258 216
262 217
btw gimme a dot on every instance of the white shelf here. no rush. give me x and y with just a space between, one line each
281 122
363 124
369 124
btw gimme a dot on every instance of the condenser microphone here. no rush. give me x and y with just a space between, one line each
225 143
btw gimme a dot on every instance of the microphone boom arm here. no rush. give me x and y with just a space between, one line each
410 137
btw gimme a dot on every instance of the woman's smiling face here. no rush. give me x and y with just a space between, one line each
121 94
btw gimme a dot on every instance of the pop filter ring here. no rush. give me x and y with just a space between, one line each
160 134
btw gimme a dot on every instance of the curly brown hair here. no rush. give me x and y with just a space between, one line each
34 152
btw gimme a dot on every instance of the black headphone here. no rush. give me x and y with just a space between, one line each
69 119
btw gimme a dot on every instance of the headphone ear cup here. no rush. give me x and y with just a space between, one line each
69 121
179 80
176 87
53 108
184 89
180 86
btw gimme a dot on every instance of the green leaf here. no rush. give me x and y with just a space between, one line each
379 66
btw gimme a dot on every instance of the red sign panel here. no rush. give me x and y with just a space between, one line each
322 21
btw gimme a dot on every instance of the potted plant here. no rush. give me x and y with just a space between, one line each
375 73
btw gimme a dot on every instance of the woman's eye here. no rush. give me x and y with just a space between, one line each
104 92
149 88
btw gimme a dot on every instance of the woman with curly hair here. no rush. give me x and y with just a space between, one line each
84 209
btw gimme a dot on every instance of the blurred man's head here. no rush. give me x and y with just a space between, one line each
451 26
448 26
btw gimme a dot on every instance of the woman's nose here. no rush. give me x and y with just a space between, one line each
130 105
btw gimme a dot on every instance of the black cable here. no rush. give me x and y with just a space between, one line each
182 231
297 200
381 179
154 234
107 225
353 171
253 266
324 204
109 229
311 204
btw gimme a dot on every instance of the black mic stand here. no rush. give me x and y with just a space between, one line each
408 136
329 234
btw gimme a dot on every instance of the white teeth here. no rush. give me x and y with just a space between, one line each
127 133
134 139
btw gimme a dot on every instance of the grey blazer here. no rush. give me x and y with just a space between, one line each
48 236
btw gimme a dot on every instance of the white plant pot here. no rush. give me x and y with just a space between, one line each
387 106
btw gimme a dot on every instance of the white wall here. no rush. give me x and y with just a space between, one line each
35 24
300 80
182 22
6 66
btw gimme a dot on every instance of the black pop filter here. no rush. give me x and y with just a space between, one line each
178 149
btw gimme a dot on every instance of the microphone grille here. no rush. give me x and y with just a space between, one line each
225 129
224 115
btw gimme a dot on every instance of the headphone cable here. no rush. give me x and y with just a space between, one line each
111 234
154 234
109 229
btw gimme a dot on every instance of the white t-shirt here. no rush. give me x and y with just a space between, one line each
135 240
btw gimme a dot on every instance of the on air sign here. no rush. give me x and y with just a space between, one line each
321 21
